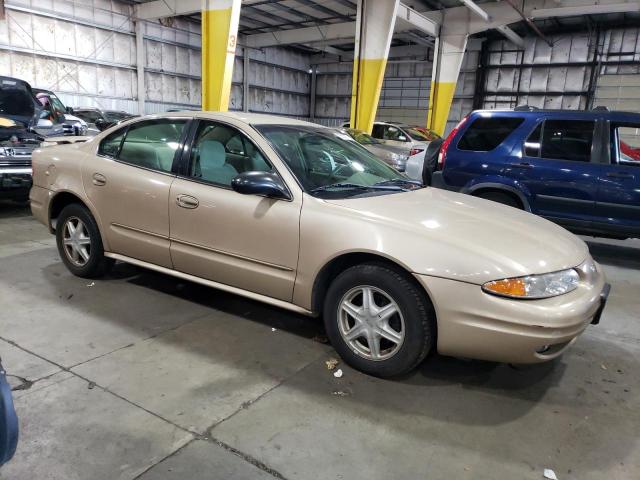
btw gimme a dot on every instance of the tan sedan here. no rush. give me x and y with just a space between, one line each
292 214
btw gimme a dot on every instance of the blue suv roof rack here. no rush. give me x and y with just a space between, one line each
525 108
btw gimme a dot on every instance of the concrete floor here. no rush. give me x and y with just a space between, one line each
142 376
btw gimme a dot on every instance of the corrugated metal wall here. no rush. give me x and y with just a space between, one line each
41 43
405 91
85 51
566 75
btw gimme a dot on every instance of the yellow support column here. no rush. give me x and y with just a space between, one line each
447 61
220 20
375 22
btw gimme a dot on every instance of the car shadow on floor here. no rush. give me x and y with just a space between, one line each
307 327
524 382
615 254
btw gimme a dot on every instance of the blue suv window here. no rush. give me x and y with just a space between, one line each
486 133
561 140
626 144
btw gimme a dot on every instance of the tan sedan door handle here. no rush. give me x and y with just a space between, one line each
99 179
187 201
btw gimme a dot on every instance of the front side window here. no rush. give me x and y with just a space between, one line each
221 152
152 144
394 134
328 163
378 131
57 105
626 139
487 133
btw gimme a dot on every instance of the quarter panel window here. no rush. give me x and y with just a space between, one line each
486 133
532 144
152 144
626 143
110 146
221 152
567 140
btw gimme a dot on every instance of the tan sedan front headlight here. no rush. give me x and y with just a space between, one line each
535 286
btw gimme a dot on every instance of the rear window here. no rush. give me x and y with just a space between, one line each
485 134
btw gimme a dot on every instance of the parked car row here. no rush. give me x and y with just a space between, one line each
31 118
400 145
313 222
101 119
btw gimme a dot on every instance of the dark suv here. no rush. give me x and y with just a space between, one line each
580 169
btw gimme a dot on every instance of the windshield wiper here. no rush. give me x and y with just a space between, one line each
353 186
397 181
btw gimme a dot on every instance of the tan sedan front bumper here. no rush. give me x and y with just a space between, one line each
474 324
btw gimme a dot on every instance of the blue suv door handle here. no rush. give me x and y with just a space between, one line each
522 165
620 175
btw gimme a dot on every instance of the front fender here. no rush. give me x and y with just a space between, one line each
497 182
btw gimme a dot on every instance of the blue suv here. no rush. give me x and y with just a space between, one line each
580 169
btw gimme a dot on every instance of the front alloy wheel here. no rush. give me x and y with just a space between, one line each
371 323
379 319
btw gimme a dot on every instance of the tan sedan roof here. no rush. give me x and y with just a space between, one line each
249 118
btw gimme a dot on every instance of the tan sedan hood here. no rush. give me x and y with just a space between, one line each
451 235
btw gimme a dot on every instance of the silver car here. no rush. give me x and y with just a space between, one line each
395 156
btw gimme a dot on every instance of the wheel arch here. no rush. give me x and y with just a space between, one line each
510 190
342 262
63 198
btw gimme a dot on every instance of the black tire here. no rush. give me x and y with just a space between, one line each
417 311
96 265
431 161
499 197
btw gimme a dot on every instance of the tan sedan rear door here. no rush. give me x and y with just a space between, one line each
128 183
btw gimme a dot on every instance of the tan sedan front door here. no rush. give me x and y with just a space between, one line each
246 241
128 183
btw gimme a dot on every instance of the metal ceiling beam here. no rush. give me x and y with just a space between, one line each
511 35
503 29
531 25
477 10
408 18
633 6
325 10
318 33
405 51
167 8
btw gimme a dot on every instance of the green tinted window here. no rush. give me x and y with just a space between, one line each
152 144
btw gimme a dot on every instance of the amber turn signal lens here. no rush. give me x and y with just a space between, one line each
511 287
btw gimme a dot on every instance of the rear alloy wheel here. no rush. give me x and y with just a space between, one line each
379 320
79 242
76 241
